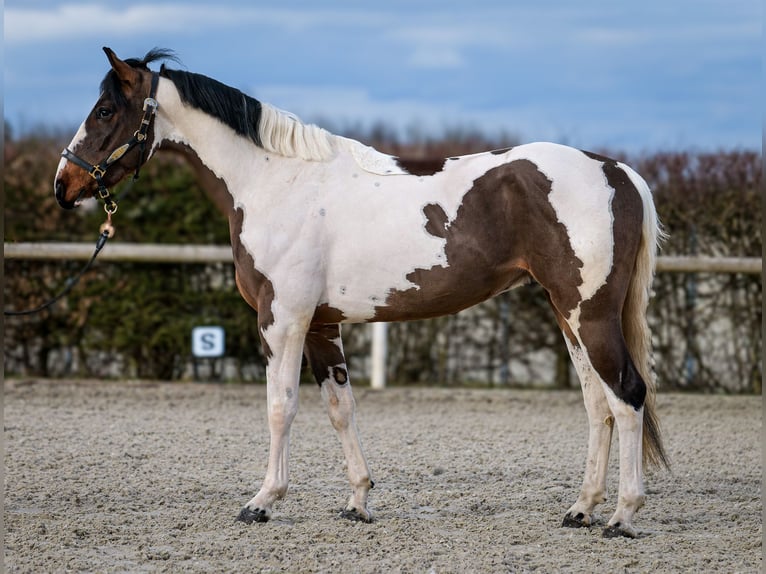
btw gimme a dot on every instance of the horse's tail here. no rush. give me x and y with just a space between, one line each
634 323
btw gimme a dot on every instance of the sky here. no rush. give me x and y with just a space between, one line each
655 75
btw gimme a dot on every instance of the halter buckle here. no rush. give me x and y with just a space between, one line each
97 172
151 103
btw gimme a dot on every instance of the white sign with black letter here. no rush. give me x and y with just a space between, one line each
208 341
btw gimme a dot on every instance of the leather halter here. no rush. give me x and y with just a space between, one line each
98 171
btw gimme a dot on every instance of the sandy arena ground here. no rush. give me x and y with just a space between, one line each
136 477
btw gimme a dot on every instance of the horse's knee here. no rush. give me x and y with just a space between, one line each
282 409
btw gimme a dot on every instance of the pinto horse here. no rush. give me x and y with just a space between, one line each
326 230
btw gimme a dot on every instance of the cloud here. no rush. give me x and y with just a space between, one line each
80 20
436 57
442 43
28 25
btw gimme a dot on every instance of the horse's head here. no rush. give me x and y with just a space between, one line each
117 135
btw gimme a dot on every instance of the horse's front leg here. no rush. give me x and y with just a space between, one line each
324 350
283 348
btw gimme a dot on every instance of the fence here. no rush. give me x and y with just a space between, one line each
173 253
497 369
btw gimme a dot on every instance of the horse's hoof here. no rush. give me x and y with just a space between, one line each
249 516
354 515
616 531
576 521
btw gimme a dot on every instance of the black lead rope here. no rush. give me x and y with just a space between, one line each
106 232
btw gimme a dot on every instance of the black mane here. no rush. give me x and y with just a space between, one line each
235 109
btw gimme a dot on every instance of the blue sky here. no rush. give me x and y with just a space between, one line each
597 74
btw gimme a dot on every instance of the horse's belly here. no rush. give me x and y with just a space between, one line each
381 290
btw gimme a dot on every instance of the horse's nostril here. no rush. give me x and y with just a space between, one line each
60 191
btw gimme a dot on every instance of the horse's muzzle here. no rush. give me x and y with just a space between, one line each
60 191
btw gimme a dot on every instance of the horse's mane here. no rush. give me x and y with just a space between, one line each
284 134
272 129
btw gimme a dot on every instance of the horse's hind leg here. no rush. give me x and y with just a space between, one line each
600 425
324 350
603 356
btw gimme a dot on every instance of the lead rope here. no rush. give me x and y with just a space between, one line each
106 232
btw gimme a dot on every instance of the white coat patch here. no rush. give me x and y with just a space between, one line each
81 134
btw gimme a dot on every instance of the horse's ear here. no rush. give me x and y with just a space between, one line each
128 75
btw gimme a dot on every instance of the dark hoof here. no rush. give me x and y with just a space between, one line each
354 515
249 516
616 531
577 521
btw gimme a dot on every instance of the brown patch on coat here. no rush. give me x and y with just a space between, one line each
253 285
504 232
436 219
600 317
421 166
323 355
212 184
324 314
340 375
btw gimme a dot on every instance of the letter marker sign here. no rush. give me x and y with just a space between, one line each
208 341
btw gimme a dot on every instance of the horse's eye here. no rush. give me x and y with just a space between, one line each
103 113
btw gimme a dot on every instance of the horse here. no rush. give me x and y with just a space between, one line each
326 230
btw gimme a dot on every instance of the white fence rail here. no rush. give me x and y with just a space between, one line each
174 253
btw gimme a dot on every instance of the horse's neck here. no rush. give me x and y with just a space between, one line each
213 186
229 161
230 164
229 157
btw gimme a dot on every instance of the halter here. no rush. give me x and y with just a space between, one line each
98 171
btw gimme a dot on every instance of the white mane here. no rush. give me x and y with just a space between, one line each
284 134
